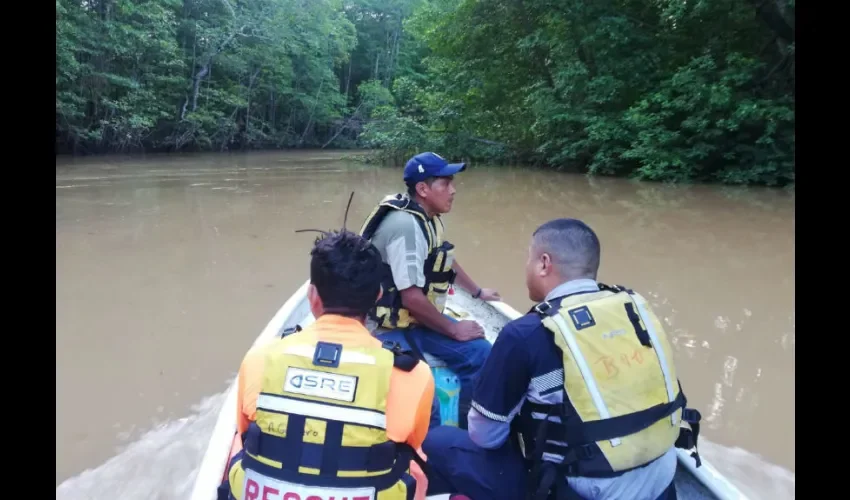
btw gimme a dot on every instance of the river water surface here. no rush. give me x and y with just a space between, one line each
168 267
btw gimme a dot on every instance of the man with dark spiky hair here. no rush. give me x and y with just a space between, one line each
321 410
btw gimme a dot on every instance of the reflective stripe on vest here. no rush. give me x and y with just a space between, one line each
649 324
320 428
367 418
586 374
389 311
620 386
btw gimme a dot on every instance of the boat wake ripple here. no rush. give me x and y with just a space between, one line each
162 464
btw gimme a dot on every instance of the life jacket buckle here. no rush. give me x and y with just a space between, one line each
404 198
572 460
393 346
691 415
542 307
327 354
290 330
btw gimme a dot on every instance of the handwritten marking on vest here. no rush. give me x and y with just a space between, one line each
260 487
612 334
320 384
612 368
276 428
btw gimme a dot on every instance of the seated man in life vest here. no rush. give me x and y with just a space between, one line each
420 268
329 411
579 398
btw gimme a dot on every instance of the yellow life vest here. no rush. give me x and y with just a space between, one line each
320 428
389 311
623 405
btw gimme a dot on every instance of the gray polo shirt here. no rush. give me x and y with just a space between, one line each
403 247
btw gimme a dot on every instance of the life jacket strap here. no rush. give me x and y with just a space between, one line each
403 359
441 277
380 482
580 433
615 288
581 438
623 425
329 457
641 332
547 478
688 437
406 449
544 309
551 431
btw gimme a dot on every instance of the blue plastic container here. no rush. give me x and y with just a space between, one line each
447 388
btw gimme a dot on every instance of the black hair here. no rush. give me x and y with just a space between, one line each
346 270
572 245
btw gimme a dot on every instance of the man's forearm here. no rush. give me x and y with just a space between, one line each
415 301
463 279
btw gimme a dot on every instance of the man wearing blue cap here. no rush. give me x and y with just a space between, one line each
420 269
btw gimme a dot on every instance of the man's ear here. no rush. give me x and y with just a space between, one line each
547 264
314 300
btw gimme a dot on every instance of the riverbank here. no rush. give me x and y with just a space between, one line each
368 157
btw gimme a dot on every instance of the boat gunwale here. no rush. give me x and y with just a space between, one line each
211 470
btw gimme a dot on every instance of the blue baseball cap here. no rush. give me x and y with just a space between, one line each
425 165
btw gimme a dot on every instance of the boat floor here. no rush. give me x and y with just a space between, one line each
691 483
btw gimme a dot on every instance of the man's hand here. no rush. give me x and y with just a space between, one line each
467 284
489 294
466 330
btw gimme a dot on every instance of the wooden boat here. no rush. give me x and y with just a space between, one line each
704 482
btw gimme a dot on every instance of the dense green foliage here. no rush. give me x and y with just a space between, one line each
660 89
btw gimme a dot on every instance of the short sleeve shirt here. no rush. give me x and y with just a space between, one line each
403 247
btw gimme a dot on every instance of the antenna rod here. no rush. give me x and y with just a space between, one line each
345 219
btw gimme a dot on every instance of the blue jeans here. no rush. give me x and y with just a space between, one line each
465 359
458 465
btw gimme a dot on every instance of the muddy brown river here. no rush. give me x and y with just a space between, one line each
168 267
